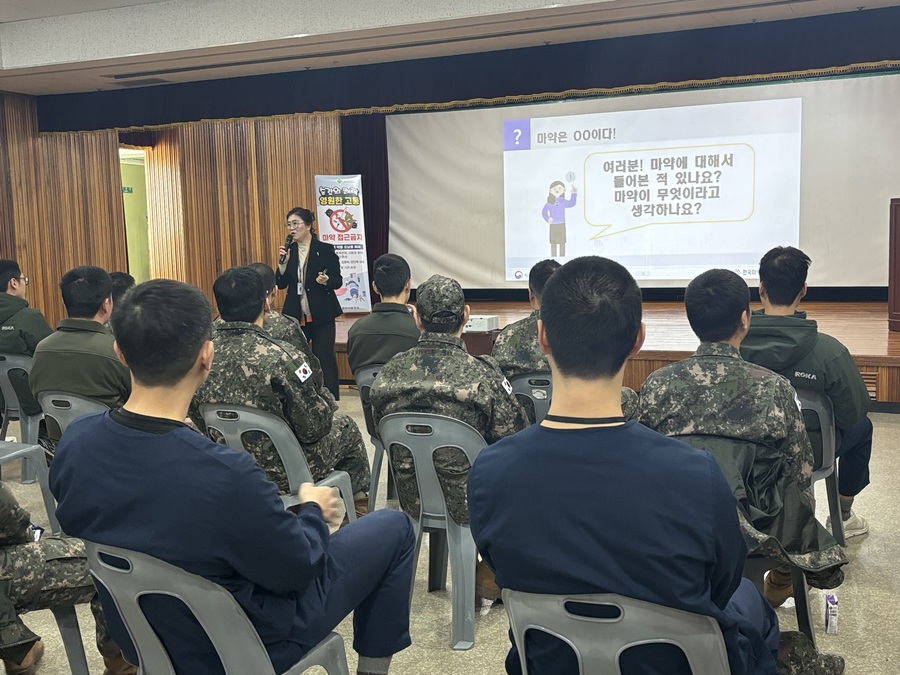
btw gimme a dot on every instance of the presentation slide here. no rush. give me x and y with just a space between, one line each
668 192
669 184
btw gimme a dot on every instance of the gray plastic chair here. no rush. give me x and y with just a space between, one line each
65 408
538 387
128 575
422 434
233 421
820 405
364 378
755 568
599 643
65 616
29 424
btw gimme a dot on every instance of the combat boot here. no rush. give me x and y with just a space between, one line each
117 665
485 586
28 666
778 587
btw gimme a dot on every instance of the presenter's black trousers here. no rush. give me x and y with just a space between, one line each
321 338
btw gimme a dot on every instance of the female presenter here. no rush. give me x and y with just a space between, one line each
311 271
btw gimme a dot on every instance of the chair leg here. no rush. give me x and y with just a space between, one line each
30 425
67 621
420 534
801 602
391 485
376 472
437 560
462 569
834 508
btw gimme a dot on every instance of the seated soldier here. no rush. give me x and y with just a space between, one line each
21 329
715 394
517 350
587 502
79 357
390 328
783 339
51 572
283 327
139 478
439 376
254 369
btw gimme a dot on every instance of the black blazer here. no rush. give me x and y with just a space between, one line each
323 303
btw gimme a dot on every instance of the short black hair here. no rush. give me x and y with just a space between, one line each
9 270
84 288
591 311
782 272
539 274
448 328
121 282
266 273
390 273
714 302
240 294
160 327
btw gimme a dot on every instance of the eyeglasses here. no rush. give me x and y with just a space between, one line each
292 225
24 279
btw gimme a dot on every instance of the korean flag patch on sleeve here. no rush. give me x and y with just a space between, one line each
507 386
304 372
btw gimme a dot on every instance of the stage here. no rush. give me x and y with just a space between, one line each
862 327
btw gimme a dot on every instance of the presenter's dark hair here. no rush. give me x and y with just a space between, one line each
390 273
266 273
540 274
121 282
240 294
551 198
714 302
84 289
9 270
591 311
305 215
782 272
160 327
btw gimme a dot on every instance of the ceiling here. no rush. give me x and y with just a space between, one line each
72 45
25 10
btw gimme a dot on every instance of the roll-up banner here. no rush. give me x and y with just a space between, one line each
339 215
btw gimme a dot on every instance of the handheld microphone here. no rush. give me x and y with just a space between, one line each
287 243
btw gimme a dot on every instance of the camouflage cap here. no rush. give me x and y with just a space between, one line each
440 300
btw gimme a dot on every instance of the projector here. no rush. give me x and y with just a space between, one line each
482 323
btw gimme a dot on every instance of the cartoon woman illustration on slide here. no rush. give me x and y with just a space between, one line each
554 213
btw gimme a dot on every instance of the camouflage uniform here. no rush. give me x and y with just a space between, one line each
439 376
718 397
39 575
252 369
282 327
517 352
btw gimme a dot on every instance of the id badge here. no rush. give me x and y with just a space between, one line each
299 288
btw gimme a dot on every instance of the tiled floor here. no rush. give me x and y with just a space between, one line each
869 598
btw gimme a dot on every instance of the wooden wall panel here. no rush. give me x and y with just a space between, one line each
63 201
219 190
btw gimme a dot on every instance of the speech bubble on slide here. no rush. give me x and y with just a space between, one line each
625 190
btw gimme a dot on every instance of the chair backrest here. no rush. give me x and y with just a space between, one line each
128 575
65 408
364 378
820 405
599 642
233 421
422 434
538 387
9 364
